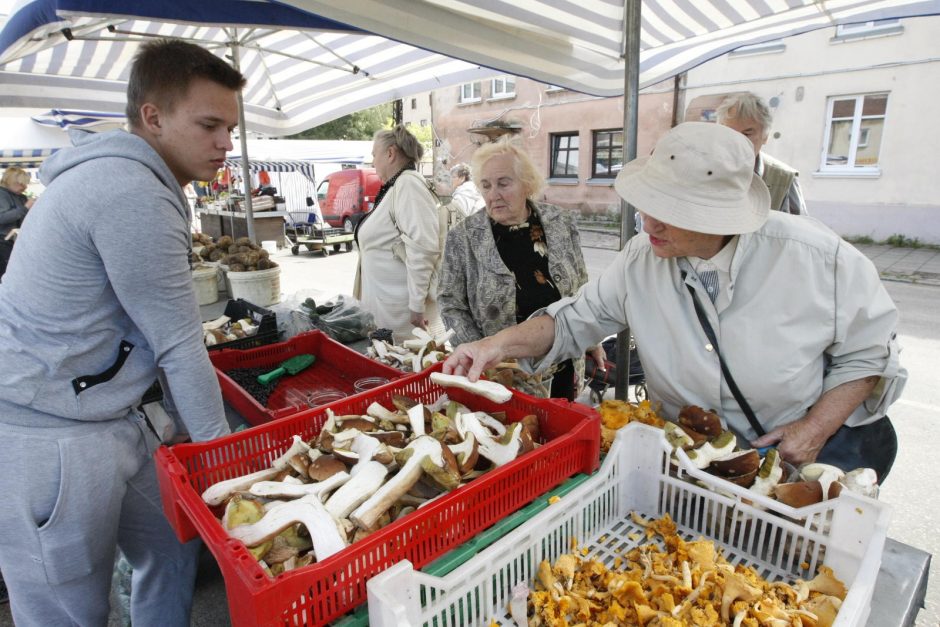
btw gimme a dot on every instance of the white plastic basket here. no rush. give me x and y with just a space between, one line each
781 543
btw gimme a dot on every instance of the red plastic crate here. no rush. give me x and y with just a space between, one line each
326 590
337 367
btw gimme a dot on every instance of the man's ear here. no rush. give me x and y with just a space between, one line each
150 117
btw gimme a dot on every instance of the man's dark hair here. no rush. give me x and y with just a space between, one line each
164 69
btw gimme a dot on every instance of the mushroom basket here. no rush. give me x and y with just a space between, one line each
328 589
601 519
337 367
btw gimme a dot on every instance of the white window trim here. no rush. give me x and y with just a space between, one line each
862 30
471 100
494 95
848 170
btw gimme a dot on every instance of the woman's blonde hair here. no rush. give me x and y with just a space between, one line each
400 137
13 176
532 181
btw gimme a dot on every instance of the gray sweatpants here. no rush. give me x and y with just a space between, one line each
70 496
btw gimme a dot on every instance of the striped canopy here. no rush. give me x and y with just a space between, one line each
303 167
302 70
579 44
24 158
310 61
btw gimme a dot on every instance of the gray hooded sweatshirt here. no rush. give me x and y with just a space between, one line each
98 297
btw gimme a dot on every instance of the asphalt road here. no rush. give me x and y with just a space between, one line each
910 489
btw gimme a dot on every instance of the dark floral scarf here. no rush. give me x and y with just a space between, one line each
524 250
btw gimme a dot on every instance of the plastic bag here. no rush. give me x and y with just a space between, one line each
342 318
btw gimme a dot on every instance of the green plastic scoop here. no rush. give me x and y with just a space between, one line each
291 366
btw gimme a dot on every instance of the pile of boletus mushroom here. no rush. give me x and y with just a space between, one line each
364 471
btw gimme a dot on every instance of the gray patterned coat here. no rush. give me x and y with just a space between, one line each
477 293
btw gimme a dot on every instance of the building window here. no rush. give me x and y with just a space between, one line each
414 104
868 29
470 92
424 122
853 133
503 87
564 161
608 154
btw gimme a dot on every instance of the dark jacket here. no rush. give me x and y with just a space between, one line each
12 210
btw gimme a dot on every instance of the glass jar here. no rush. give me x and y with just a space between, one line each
367 383
324 396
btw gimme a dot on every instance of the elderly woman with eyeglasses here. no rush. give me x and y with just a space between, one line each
513 258
799 316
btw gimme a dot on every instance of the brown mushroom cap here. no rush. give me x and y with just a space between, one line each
390 438
324 467
737 464
531 424
799 493
356 422
699 420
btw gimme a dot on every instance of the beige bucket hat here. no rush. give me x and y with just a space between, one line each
701 178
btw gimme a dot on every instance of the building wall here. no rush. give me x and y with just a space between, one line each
541 111
904 197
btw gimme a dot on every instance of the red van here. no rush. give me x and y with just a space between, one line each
345 196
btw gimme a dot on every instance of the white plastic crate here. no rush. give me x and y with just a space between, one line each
847 534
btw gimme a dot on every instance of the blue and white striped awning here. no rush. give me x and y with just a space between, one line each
303 167
302 70
24 158
310 61
579 44
65 118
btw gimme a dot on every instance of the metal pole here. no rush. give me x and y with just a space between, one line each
631 81
243 139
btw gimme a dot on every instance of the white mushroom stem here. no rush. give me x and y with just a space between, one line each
367 515
416 418
491 423
380 349
487 389
298 447
282 490
440 404
442 339
368 478
218 493
378 411
415 344
502 453
421 334
308 511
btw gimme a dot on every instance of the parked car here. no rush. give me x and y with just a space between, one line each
345 196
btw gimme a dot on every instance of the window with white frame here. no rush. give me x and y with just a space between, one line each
853 133
872 27
564 158
470 92
503 87
767 47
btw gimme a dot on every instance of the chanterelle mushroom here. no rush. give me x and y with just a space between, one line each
424 453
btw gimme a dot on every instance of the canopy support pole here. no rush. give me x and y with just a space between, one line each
631 81
243 139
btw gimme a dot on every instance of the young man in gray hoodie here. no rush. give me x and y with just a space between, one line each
96 304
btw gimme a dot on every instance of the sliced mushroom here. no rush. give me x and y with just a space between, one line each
487 389
423 451
367 480
279 489
309 511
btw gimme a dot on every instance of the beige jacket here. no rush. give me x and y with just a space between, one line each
399 253
808 313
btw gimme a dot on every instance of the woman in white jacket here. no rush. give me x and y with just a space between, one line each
400 240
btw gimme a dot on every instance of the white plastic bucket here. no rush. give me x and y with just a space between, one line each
260 287
269 245
206 284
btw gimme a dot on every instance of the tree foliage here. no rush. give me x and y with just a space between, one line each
360 125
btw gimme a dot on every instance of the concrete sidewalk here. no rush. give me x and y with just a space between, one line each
912 265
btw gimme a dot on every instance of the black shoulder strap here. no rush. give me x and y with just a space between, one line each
710 334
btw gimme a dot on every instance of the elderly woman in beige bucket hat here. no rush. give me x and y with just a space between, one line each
798 316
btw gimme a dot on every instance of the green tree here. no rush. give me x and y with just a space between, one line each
360 125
